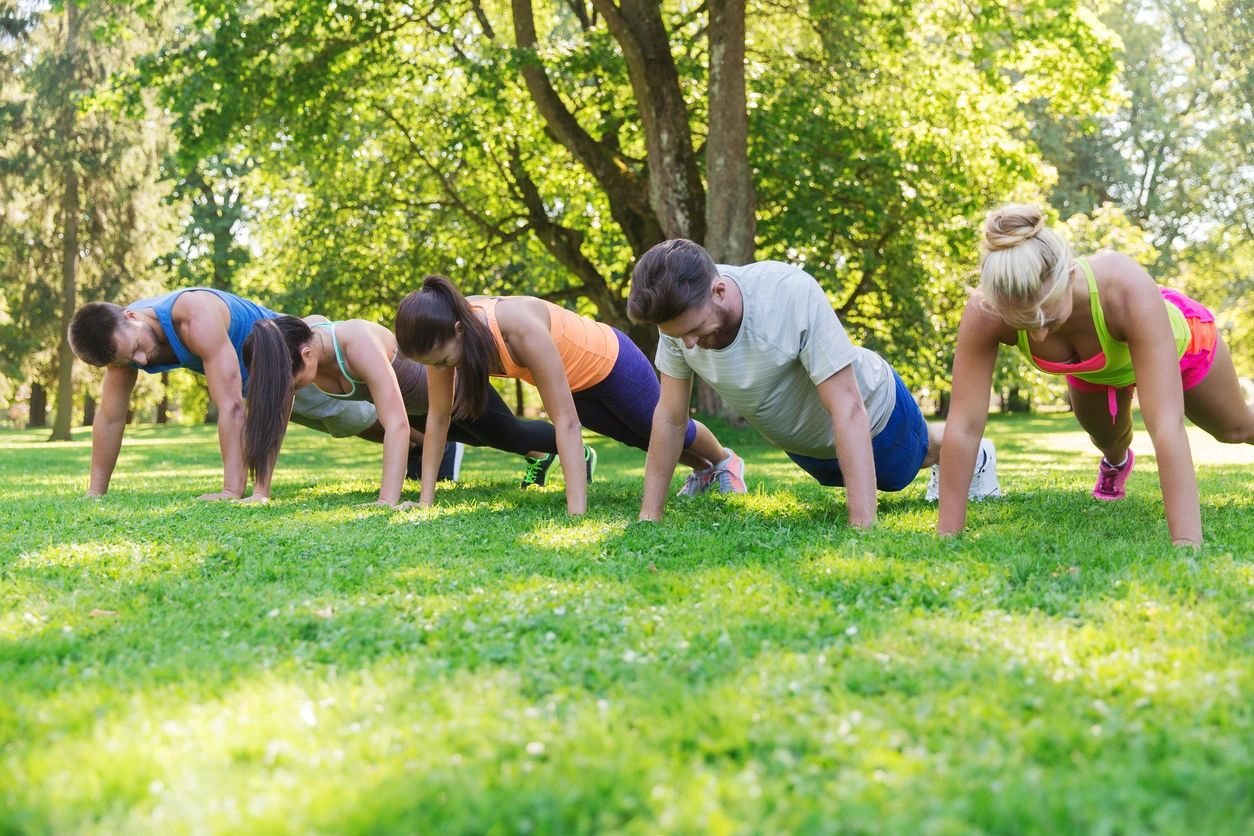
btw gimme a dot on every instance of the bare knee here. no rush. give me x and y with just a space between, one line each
1114 438
1236 433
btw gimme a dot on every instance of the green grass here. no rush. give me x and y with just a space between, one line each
749 665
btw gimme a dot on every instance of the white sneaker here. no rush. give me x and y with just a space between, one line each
933 484
983 481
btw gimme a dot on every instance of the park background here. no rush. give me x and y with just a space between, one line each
490 665
321 157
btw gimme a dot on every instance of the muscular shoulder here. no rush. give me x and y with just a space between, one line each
364 331
1124 288
200 317
521 315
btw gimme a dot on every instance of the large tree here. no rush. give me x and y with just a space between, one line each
540 148
80 183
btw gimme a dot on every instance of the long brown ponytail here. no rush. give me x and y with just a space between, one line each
272 356
427 319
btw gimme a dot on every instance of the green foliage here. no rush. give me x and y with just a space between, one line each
748 665
1173 154
393 143
58 114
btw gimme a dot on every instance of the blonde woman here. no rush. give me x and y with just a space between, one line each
1105 324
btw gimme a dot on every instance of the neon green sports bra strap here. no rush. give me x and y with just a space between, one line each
339 355
1095 306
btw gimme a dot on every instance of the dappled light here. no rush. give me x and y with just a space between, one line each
586 533
257 258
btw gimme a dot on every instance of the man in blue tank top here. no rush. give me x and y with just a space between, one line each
203 330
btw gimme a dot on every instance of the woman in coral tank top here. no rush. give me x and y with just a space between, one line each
588 374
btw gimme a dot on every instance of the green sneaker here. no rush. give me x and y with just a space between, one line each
537 470
590 461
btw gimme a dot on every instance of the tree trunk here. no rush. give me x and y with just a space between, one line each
89 411
519 408
1015 400
38 407
676 192
211 413
942 405
730 206
69 246
163 408
731 203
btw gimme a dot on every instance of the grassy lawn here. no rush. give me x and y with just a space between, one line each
748 665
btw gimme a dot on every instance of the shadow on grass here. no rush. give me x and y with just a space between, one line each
501 582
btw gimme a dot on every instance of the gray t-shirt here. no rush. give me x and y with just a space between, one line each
790 340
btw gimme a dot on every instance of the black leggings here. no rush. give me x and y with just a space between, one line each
499 428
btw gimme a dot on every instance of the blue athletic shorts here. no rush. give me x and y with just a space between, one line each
898 450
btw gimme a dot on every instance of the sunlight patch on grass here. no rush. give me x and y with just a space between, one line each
84 555
570 535
773 504
1140 649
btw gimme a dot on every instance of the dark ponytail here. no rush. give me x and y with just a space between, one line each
272 356
426 319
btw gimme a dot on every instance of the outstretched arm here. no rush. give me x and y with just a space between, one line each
532 346
666 443
974 358
370 360
202 321
1149 337
852 431
439 415
108 426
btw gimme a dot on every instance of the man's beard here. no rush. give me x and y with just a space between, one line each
724 336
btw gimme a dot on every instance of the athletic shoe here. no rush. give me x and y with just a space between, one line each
537 470
728 476
983 480
590 461
451 461
1111 480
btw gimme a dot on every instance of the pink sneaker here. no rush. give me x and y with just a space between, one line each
728 476
1111 480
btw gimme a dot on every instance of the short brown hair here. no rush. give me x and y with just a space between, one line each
670 279
92 332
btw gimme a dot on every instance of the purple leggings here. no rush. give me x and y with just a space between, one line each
621 406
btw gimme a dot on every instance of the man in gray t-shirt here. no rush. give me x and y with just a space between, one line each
765 337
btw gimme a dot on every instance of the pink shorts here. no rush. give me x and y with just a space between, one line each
1198 357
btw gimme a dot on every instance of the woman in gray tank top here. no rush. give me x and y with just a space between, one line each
358 360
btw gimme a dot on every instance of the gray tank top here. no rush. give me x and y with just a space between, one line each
411 376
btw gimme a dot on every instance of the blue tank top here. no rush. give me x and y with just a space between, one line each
244 315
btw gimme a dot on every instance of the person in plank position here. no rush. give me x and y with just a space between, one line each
203 330
358 360
766 339
1102 321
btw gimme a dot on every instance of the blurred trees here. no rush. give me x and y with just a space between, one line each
540 148
80 209
325 156
1174 154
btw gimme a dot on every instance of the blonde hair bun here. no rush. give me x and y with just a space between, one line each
1012 225
1026 265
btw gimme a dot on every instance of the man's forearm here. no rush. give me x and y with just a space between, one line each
666 443
106 442
231 444
857 464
